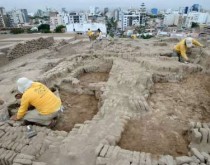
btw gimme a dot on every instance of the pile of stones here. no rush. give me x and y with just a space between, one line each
30 46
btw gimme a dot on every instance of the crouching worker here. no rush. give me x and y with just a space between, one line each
180 49
47 104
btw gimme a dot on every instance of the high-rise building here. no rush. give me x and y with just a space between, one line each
154 11
186 10
116 14
130 18
106 10
196 7
25 15
2 17
142 14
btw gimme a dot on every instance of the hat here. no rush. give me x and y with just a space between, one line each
188 42
23 84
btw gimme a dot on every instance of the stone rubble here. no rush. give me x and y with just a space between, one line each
27 47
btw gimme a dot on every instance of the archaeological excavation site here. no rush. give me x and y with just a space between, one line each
126 102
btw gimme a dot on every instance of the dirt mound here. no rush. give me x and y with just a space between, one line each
29 46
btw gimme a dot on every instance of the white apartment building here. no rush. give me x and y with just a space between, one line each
130 19
55 20
198 17
171 19
83 28
93 10
2 17
76 17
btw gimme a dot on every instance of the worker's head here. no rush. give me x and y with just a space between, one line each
88 28
23 84
188 42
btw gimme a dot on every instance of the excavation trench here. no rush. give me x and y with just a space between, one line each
165 130
81 102
83 105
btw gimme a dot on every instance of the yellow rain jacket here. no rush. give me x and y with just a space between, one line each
181 48
39 96
90 33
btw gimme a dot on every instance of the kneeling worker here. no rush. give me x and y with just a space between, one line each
47 104
181 48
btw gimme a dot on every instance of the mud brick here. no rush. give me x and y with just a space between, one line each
104 150
197 154
109 152
98 149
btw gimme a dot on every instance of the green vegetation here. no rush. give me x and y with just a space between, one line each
146 36
194 25
111 25
17 31
44 28
60 29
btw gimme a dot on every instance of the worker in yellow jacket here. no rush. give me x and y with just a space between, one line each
47 104
90 34
181 48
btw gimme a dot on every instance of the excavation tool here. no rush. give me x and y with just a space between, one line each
30 132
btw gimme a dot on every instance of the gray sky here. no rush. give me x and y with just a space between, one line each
33 5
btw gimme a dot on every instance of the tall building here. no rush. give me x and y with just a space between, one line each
154 11
197 17
130 18
76 17
196 7
116 14
2 17
25 15
186 10
142 15
106 10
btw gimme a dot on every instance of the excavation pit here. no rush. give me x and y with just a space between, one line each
93 77
81 102
78 108
164 131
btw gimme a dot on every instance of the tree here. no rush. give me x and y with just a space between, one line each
194 25
60 29
16 31
140 29
44 28
111 25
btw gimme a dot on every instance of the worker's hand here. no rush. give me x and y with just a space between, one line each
14 117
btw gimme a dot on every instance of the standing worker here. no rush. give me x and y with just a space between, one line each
99 34
180 49
47 104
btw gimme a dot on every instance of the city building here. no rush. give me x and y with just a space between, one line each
154 11
25 15
196 7
171 19
18 17
55 20
197 17
93 11
142 15
2 17
130 18
83 28
75 17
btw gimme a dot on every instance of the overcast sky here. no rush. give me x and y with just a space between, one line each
33 5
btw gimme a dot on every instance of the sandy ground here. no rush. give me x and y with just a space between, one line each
164 130
160 131
78 108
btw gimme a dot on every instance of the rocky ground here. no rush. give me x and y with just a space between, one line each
126 102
